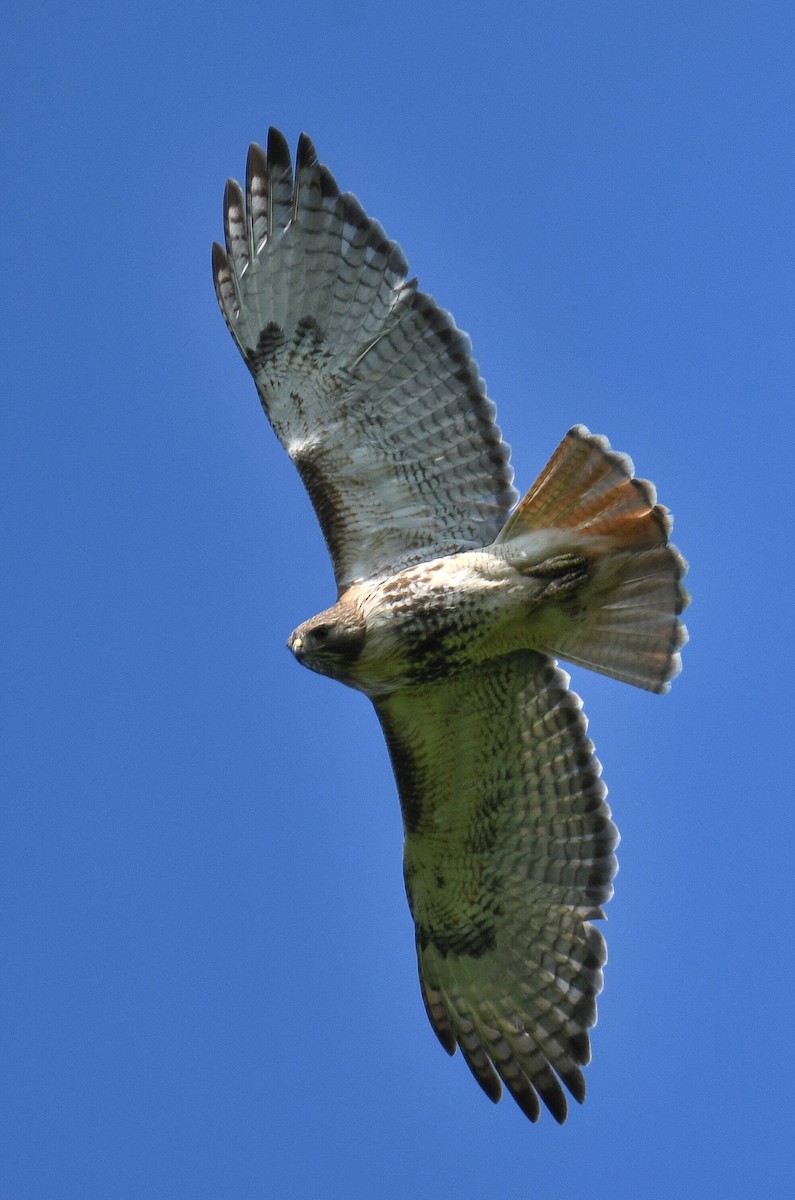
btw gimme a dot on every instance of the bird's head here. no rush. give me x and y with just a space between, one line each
331 642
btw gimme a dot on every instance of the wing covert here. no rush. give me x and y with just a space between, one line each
509 856
368 384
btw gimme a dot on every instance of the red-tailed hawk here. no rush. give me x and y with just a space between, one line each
451 606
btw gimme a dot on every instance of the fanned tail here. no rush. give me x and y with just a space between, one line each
623 620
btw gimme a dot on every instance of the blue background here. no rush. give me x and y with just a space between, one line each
208 978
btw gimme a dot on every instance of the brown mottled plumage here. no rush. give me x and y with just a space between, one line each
449 611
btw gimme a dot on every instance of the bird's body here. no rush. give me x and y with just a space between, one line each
432 620
451 605
424 622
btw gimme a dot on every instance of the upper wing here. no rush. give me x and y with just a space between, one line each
508 857
368 384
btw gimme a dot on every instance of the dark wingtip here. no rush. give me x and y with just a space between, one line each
222 281
278 149
528 1102
233 197
306 155
256 163
218 259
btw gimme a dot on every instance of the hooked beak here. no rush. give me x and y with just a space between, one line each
296 644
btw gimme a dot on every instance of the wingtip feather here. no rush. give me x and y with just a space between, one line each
256 196
278 148
306 155
223 280
235 227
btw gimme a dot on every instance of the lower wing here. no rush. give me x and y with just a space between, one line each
508 858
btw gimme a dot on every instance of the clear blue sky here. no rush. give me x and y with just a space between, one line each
208 979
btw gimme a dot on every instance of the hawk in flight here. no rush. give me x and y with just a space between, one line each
453 603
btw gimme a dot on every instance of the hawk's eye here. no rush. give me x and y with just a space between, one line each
321 632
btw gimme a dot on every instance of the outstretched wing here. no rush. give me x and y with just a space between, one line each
508 858
367 382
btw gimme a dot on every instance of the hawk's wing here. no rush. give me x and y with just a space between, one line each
367 382
508 857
